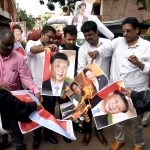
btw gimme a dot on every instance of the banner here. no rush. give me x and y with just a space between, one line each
43 118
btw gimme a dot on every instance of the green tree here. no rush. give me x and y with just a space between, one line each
64 4
29 19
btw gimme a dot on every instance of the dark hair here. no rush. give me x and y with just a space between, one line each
71 85
88 26
71 29
85 70
5 32
82 4
17 26
123 98
46 29
133 21
59 55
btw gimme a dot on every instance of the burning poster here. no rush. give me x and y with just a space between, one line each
85 85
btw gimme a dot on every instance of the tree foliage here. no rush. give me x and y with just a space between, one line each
29 19
63 3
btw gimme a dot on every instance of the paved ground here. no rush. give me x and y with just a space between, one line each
94 144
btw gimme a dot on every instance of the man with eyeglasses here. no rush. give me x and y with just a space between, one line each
131 63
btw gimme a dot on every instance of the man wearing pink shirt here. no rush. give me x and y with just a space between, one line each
13 71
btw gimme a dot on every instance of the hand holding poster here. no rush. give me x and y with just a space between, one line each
43 118
111 106
86 84
61 67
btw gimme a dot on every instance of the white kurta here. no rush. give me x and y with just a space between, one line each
35 63
121 68
84 59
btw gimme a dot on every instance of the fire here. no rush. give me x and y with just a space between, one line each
82 108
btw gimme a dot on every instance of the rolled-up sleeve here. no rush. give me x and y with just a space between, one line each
26 76
30 44
106 50
146 61
82 59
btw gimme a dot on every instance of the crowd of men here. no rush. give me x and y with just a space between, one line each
125 58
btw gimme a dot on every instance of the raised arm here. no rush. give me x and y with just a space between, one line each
101 27
60 20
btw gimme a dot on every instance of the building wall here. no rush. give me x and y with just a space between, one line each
8 9
118 9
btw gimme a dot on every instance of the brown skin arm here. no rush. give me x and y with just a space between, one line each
93 54
134 60
39 97
39 106
40 48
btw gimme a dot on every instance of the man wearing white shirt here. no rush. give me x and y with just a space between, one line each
86 51
131 63
35 58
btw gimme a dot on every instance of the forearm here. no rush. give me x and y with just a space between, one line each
59 20
37 49
82 60
102 28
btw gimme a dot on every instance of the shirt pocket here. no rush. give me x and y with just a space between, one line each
13 75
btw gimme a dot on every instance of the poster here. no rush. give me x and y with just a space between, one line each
61 72
85 85
105 99
43 118
111 106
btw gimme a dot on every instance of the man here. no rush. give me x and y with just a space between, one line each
13 108
98 82
131 60
70 38
86 52
18 39
146 115
13 68
55 86
36 51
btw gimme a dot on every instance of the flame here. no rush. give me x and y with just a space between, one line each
82 108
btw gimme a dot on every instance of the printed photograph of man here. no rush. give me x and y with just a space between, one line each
84 8
113 108
77 92
98 82
71 68
115 102
72 108
54 86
